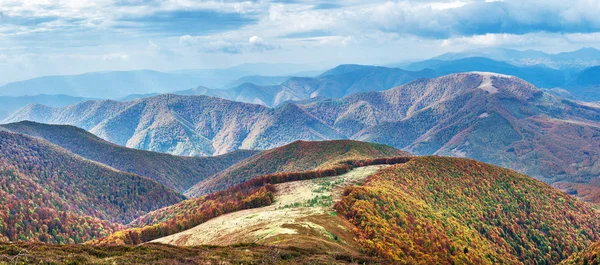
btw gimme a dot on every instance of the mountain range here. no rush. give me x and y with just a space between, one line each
578 59
493 118
345 80
119 84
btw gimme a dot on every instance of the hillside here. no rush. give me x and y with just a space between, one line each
450 210
176 172
51 195
297 156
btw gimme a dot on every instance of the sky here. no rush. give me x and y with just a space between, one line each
48 37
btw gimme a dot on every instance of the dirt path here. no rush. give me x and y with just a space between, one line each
302 213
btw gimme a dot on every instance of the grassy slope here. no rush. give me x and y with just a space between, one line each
297 156
43 182
176 172
27 253
457 210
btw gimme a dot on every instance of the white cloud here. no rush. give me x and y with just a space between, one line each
116 57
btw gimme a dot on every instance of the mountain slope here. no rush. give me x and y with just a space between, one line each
297 156
178 173
493 118
450 210
48 189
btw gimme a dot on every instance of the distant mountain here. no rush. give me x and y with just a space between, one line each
578 59
10 104
258 80
186 125
52 195
175 172
439 210
589 76
103 84
494 118
335 83
120 84
540 76
297 156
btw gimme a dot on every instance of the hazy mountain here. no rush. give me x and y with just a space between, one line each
103 84
540 76
119 84
578 59
186 125
272 91
10 104
493 118
176 172
258 80
52 195
297 156
335 83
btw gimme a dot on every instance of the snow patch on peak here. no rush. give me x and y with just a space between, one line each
490 74
487 85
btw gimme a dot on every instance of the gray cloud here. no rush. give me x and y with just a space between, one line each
479 18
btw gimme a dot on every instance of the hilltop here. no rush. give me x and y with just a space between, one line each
176 172
297 156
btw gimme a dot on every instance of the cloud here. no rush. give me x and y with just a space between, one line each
193 22
257 44
518 17
209 45
116 57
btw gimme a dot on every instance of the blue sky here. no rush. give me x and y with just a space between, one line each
45 37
